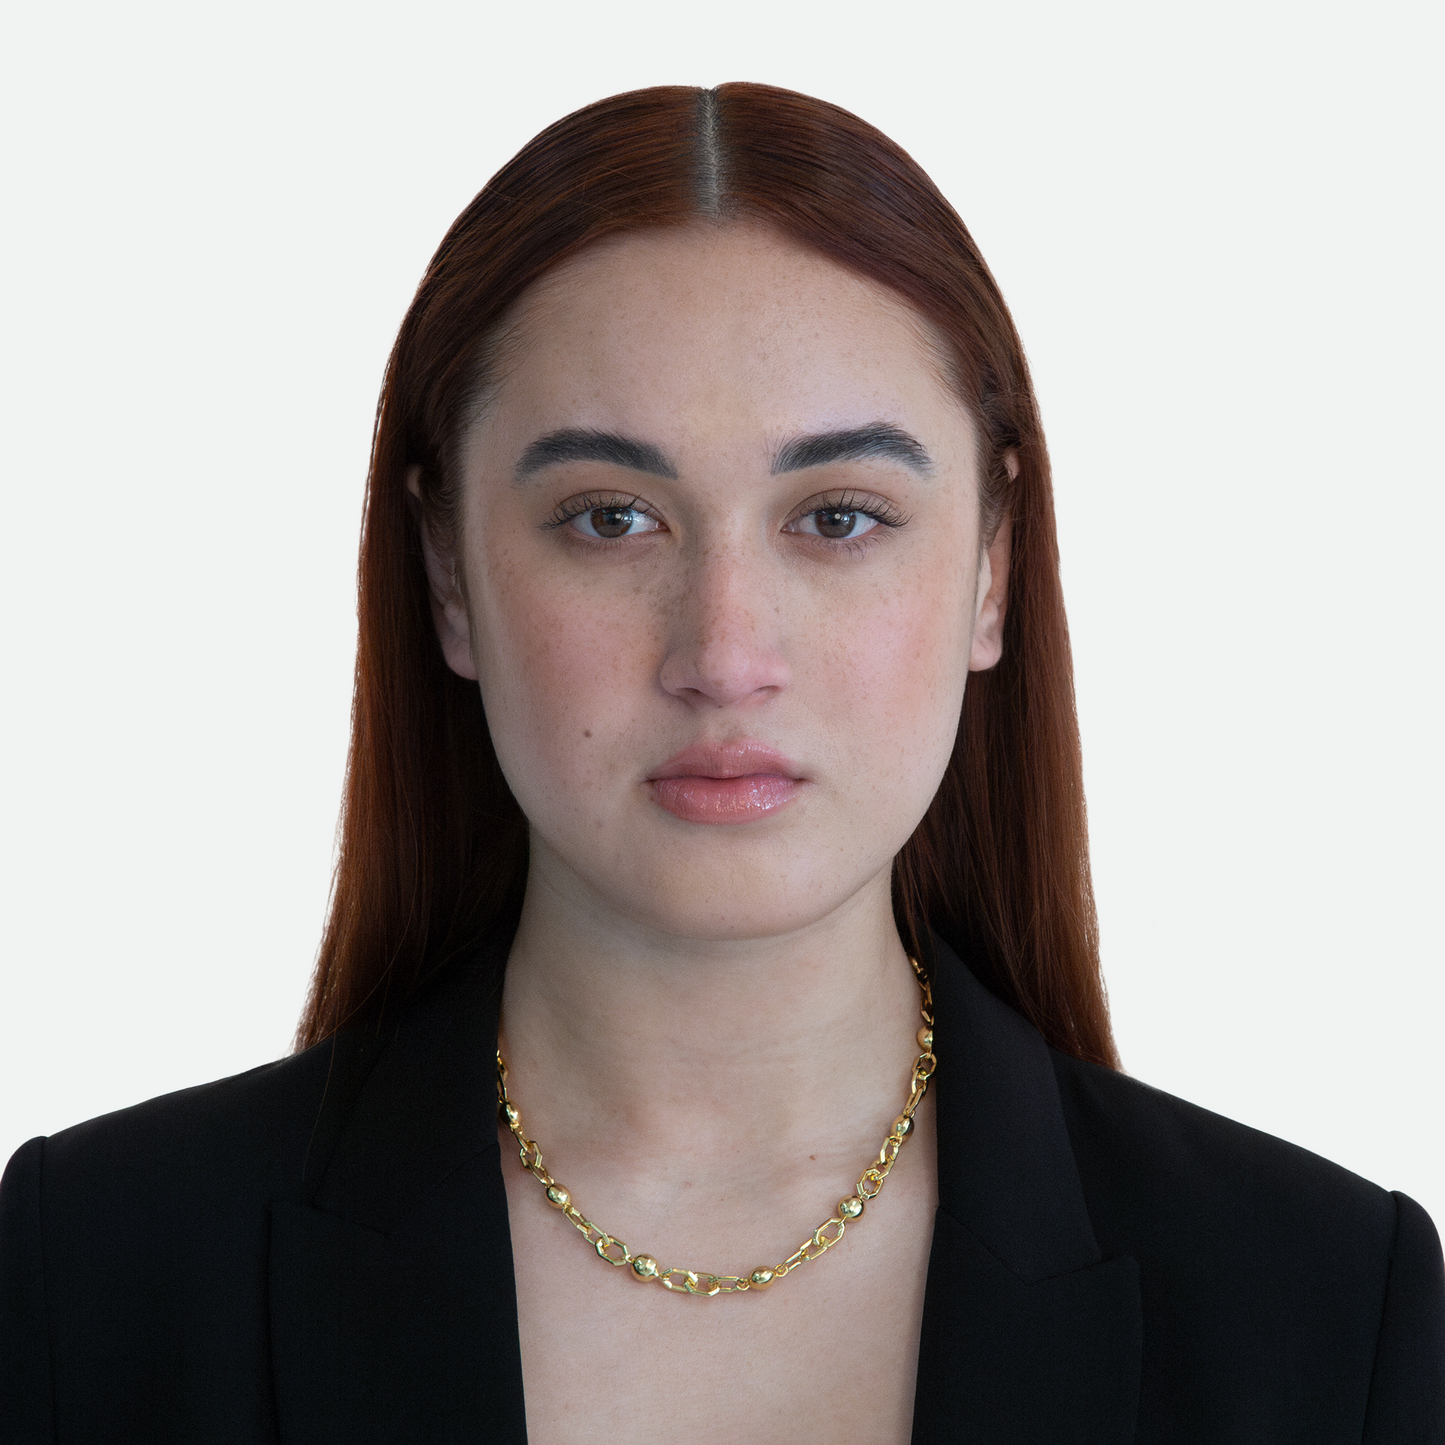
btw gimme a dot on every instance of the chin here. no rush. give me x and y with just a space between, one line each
738 919
731 894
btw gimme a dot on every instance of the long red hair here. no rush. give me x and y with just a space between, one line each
433 856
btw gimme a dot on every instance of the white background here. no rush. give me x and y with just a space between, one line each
1217 227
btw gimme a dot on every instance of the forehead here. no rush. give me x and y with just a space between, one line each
693 332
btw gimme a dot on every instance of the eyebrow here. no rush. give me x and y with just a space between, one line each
856 444
578 445
878 439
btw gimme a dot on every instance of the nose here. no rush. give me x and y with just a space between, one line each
725 642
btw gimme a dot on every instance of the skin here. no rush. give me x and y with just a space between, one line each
709 1028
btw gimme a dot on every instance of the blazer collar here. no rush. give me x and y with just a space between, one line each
393 1304
429 1103
1029 1334
392 1299
1005 1166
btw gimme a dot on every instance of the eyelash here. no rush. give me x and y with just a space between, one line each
599 501
884 513
881 511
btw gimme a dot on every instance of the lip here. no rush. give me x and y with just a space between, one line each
728 760
735 782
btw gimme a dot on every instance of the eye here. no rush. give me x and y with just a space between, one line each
609 522
846 516
838 524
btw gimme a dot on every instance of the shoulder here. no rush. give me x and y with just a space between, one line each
141 1237
219 1149
198 1170
1297 1281
1161 1156
1155 1165
1180 1186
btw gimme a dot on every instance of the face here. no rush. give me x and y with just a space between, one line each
721 580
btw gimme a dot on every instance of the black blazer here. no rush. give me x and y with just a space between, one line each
318 1251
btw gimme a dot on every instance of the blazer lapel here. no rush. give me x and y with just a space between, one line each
393 1303
393 1306
1029 1334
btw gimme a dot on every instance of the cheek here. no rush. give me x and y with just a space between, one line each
559 673
898 670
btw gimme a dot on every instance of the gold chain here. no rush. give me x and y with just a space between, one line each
645 1267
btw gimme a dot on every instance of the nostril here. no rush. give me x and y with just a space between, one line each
724 646
753 675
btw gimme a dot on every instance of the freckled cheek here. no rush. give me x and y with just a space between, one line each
560 675
895 675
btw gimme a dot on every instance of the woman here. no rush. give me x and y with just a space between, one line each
712 666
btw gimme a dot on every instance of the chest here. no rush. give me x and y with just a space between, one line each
828 1353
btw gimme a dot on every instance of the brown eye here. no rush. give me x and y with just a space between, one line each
609 523
836 524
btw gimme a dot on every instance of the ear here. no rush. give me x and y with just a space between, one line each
992 596
448 607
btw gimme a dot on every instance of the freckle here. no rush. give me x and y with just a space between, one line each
813 1157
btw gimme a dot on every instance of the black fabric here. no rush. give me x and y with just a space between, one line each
318 1251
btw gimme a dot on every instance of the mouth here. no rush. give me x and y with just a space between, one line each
726 782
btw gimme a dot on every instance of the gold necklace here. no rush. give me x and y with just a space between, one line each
645 1267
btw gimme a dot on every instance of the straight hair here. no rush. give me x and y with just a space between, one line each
433 847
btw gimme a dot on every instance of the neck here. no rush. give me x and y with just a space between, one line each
616 1032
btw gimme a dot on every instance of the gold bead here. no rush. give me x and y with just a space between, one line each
645 1268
